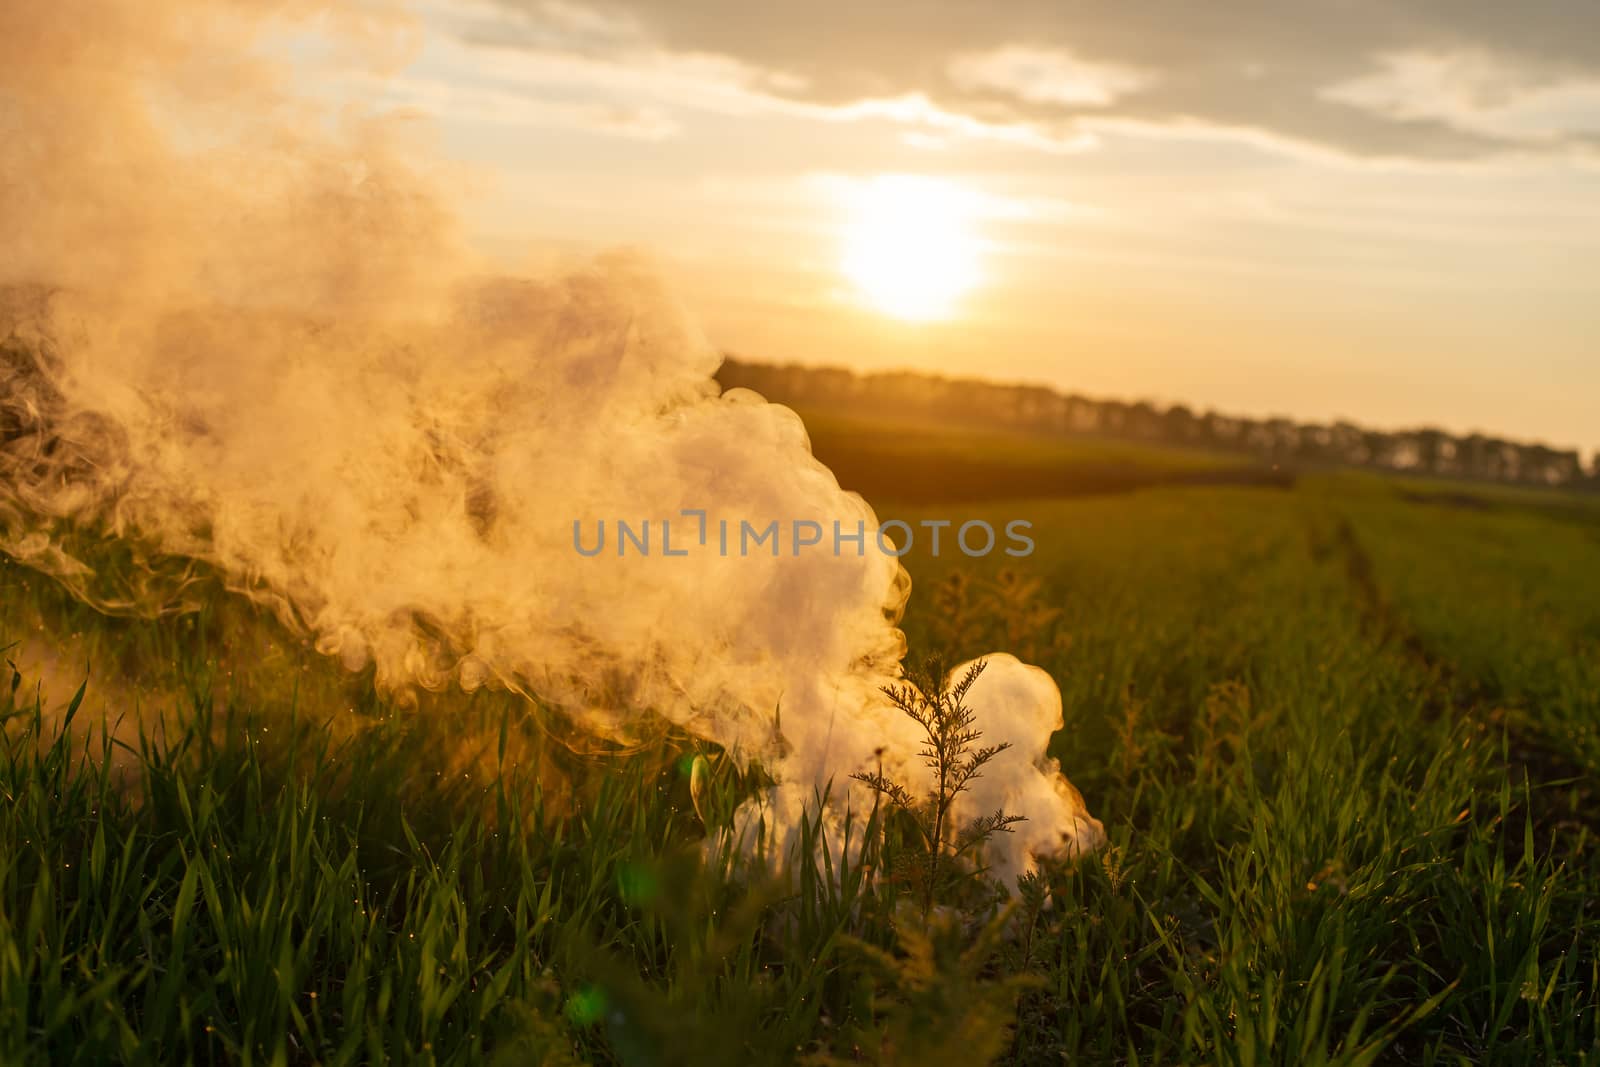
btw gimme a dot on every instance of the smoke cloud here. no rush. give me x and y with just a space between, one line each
244 334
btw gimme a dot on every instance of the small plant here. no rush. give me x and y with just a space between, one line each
952 753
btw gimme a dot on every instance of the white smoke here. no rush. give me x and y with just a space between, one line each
264 349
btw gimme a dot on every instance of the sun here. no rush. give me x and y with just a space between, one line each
910 247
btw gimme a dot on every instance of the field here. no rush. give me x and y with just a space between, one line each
905 461
1341 731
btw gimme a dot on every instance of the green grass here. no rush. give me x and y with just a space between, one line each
926 463
1341 737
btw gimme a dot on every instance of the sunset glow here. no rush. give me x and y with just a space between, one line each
645 532
910 247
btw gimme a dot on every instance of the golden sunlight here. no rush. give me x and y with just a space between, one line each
910 247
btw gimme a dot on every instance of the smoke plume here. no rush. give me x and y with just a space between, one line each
244 334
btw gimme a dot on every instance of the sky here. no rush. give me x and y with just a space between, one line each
1380 210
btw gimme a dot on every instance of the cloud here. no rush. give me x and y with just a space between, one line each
1475 92
1044 76
1361 79
555 65
488 104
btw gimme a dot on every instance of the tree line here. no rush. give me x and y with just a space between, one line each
1041 409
